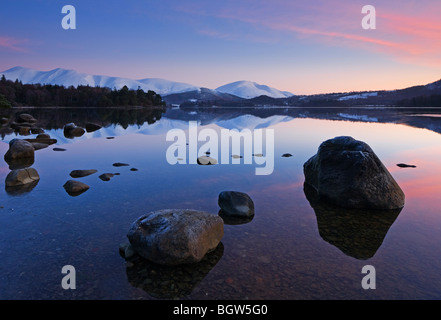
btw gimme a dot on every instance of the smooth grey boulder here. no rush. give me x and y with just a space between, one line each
347 173
21 177
237 204
19 149
175 236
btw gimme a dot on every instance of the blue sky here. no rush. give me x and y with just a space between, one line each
303 47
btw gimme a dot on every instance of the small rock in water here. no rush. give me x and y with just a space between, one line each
75 188
205 161
119 164
82 173
403 165
71 131
287 155
233 203
106 176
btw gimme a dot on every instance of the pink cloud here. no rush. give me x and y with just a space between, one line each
12 44
407 32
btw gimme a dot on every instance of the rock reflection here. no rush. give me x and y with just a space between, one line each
164 282
234 220
20 190
357 233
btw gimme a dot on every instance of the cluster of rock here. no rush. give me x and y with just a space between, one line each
173 237
21 154
74 187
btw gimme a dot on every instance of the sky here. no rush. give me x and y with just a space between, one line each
305 47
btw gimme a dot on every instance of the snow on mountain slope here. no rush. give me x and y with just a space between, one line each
242 89
248 90
73 78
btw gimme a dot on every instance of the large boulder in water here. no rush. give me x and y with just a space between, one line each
19 149
347 173
175 236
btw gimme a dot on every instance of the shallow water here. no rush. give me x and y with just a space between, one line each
290 250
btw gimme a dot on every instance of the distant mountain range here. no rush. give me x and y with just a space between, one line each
240 89
237 94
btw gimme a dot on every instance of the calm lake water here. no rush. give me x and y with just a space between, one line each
290 250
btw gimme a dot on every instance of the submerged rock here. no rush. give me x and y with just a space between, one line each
19 149
175 236
236 204
82 173
346 172
75 188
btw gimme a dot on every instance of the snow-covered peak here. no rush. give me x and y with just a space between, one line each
68 78
249 89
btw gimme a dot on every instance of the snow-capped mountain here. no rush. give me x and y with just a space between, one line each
65 77
73 78
248 90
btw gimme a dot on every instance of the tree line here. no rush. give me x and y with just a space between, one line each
433 100
15 93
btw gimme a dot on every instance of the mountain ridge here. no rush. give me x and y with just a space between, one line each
68 77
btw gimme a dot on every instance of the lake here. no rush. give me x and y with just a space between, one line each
291 249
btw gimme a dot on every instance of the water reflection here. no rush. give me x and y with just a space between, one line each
164 282
234 220
357 233
20 190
